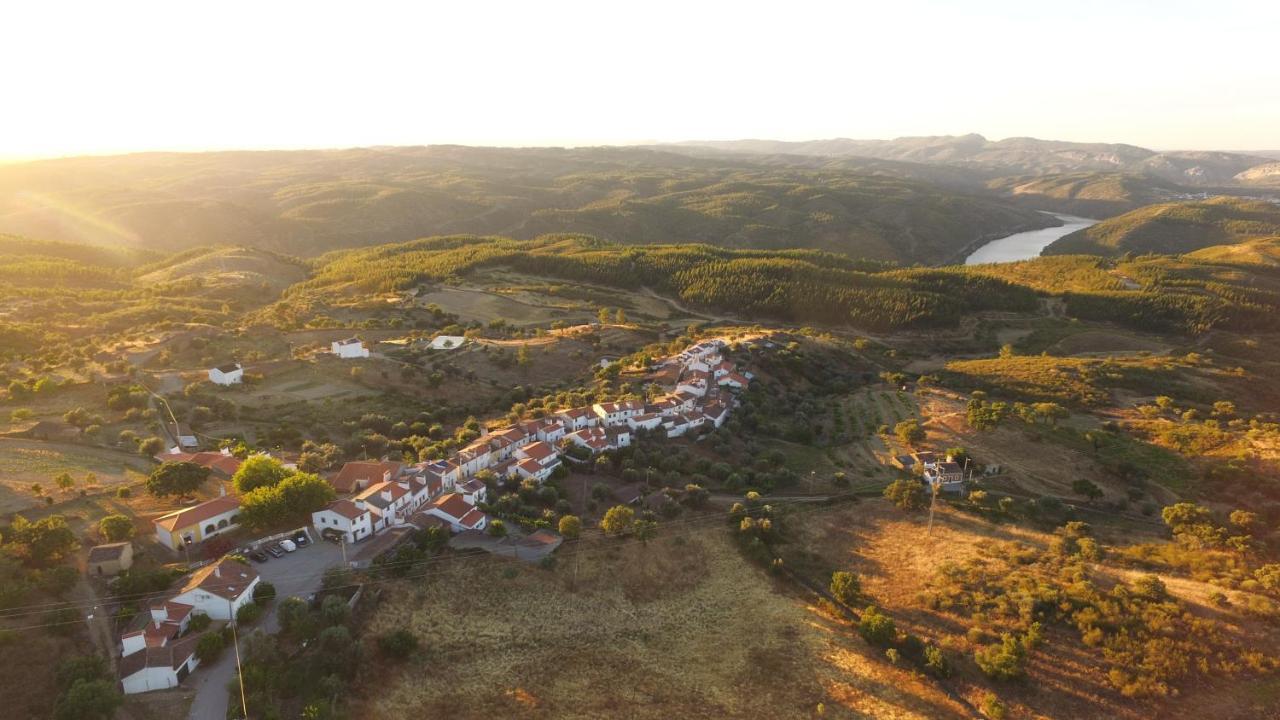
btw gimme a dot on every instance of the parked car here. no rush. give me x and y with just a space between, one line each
258 556
332 535
274 549
301 539
288 545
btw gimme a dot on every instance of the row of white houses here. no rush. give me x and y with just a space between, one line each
384 494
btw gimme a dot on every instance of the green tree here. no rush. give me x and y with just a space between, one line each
1086 488
1005 660
259 471
620 317
570 526
64 481
180 479
906 493
909 431
264 592
877 628
151 446
617 520
44 542
115 528
845 586
644 530
209 647
88 700
496 528
398 644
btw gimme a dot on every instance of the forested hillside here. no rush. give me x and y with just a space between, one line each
1086 194
309 202
1173 228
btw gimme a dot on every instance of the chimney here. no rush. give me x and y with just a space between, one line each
217 570
222 490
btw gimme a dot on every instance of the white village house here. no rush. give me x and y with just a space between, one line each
349 348
230 374
220 589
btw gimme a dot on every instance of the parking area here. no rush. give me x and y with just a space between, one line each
299 572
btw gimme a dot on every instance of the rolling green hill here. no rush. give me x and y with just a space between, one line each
1259 251
309 202
1173 228
1086 194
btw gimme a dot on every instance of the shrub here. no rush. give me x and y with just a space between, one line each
935 662
123 492
906 494
209 646
115 528
845 586
264 592
398 644
1005 660
617 520
993 708
198 623
248 614
876 627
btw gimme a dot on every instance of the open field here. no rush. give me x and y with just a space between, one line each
682 628
24 462
1066 679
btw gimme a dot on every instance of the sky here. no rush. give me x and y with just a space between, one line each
108 77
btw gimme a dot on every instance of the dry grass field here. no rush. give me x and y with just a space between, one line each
889 550
683 628
24 462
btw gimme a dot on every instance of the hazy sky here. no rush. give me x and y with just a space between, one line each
119 76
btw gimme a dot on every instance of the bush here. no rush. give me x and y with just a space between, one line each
906 494
876 627
1005 660
248 614
264 593
198 623
115 528
398 645
993 708
845 586
123 492
570 526
935 662
210 646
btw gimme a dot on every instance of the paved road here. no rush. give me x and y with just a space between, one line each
298 573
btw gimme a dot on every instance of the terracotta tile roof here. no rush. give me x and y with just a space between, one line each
225 578
539 451
170 656
472 519
471 486
354 474
453 505
197 514
218 462
346 509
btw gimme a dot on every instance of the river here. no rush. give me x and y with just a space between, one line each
1026 245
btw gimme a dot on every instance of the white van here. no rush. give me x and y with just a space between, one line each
288 545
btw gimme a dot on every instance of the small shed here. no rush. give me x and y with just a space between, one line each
110 559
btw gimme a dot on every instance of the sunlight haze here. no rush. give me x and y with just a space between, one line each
107 78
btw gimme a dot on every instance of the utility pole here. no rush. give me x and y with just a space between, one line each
342 543
933 484
235 640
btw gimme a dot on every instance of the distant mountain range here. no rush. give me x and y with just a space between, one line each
1018 156
310 202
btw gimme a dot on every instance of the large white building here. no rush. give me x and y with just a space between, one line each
231 374
349 348
220 589
345 517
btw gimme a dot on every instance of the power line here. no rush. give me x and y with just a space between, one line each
817 504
